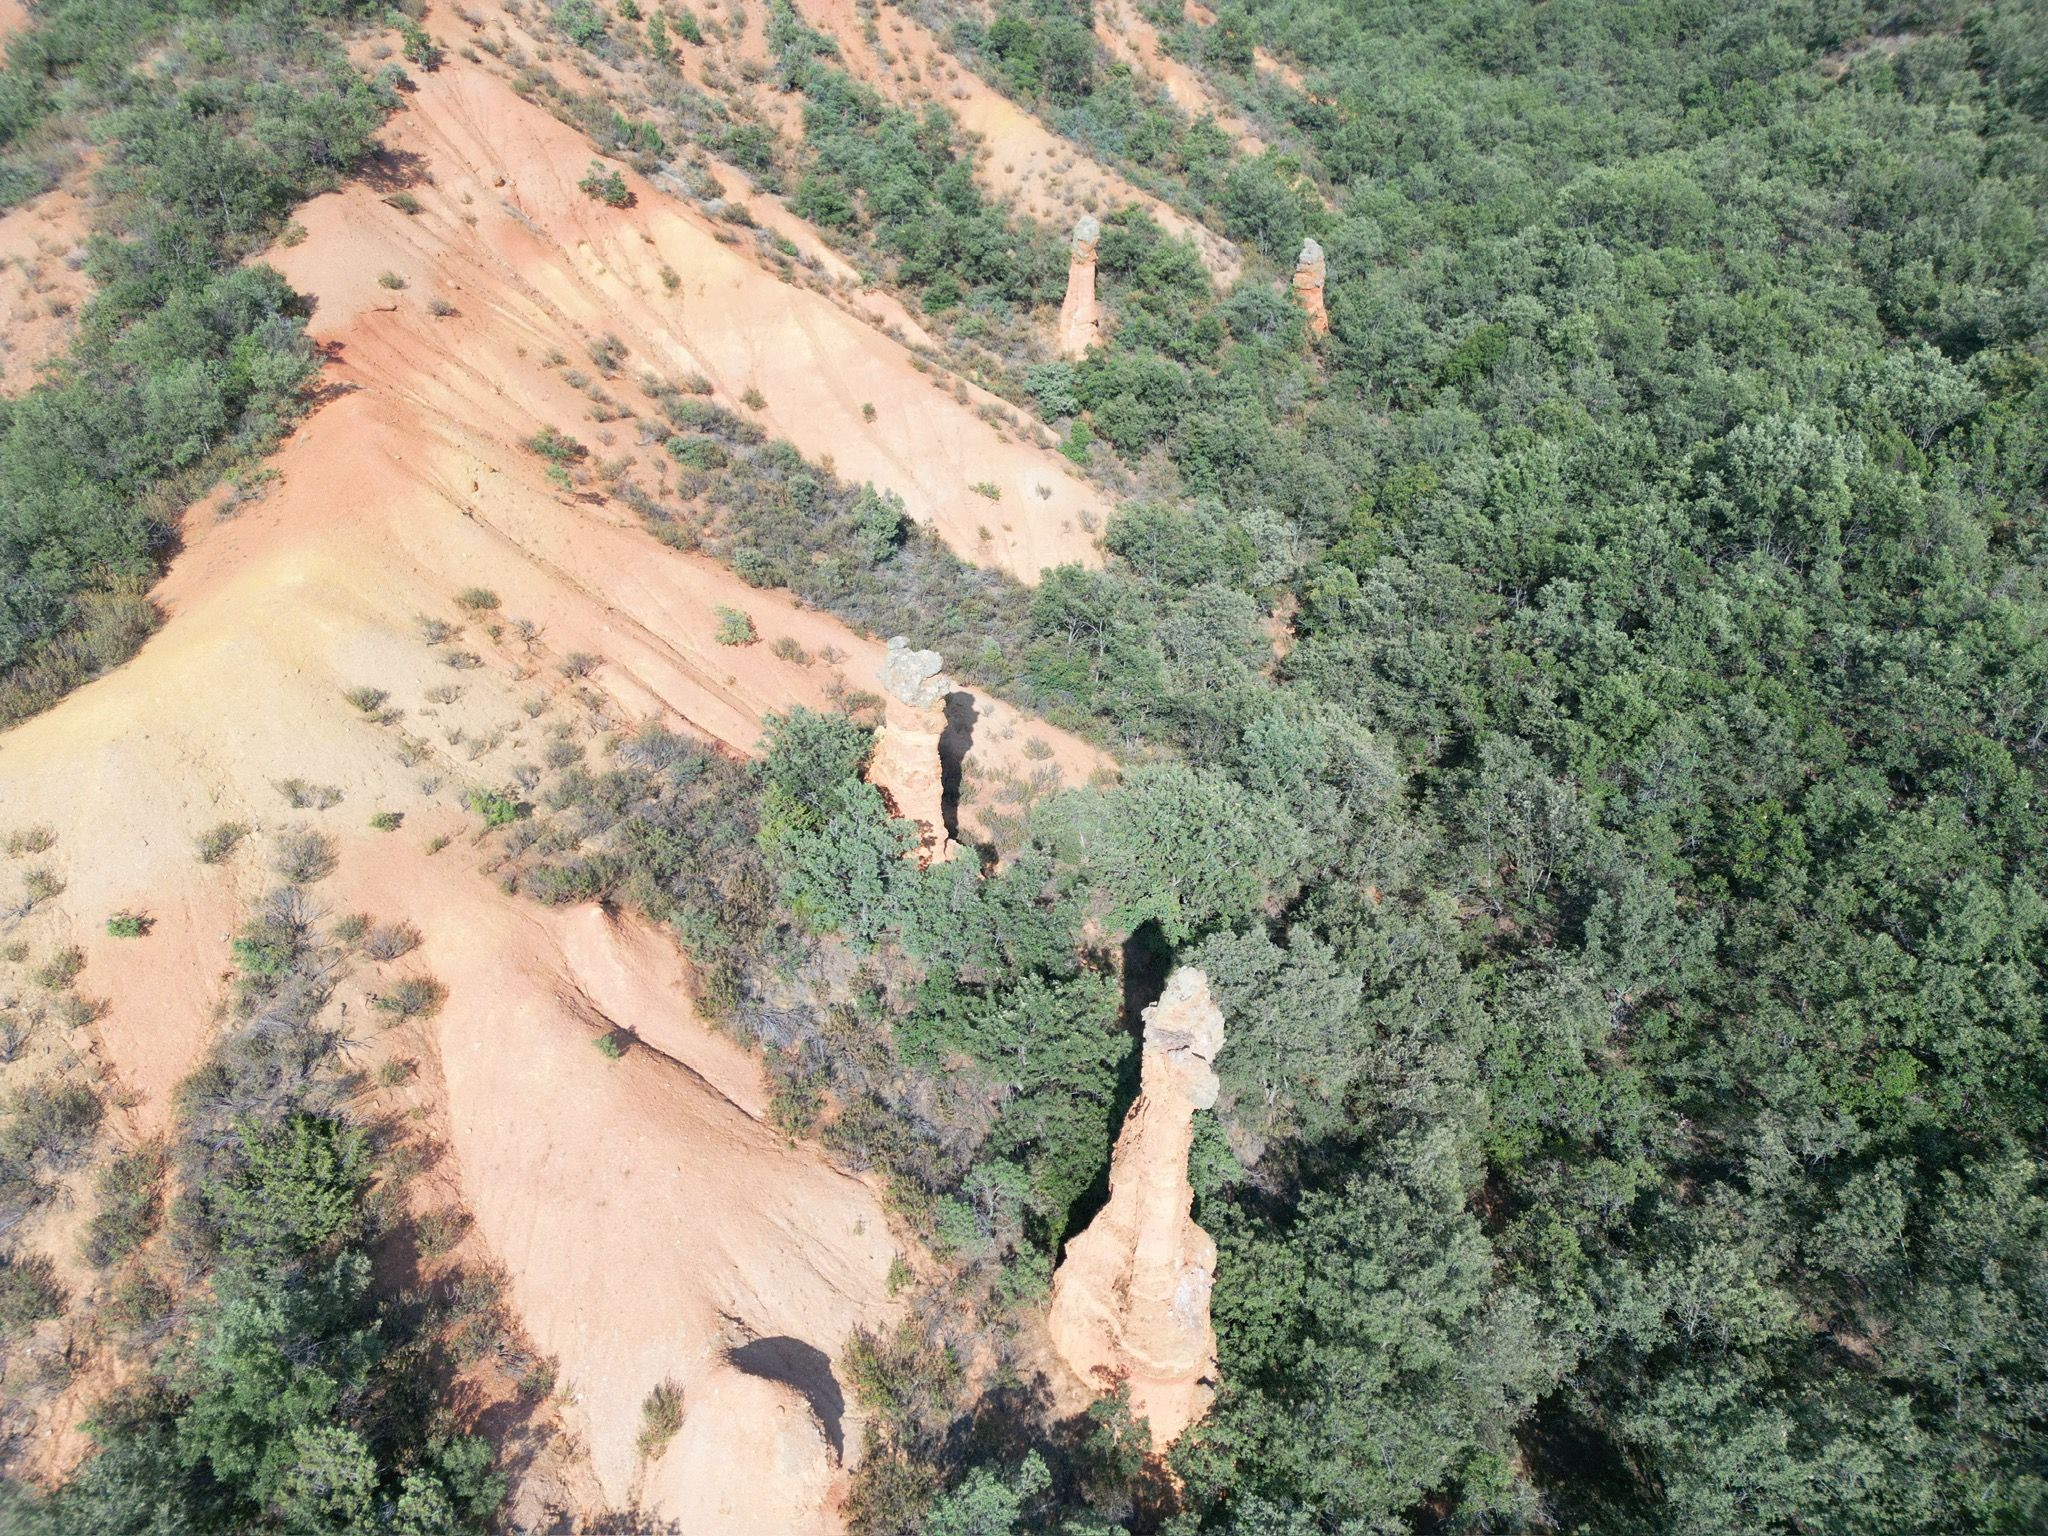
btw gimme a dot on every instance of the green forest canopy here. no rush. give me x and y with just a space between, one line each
1627 891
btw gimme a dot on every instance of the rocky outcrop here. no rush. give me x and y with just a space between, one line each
1308 286
1080 320
1130 1303
906 765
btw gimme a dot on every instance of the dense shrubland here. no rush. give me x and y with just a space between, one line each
1624 888
273 1389
185 359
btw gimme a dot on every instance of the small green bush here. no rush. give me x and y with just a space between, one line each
129 925
581 21
607 186
387 821
661 1415
419 46
220 840
735 628
557 447
475 600
416 997
497 810
609 1046
368 700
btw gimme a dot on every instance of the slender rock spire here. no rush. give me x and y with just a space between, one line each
1130 1303
1308 286
906 764
1080 321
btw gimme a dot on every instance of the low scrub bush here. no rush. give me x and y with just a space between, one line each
128 1192
303 857
220 840
29 1293
413 998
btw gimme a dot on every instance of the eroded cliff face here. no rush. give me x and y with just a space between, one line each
1080 320
1130 1302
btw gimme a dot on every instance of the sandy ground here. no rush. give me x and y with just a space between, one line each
650 1224
42 281
523 256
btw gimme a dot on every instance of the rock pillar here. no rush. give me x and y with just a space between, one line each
1130 1303
906 765
1080 321
1308 287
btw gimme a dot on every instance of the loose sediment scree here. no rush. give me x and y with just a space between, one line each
519 262
404 604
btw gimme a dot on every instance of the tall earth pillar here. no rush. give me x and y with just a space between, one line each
906 765
1309 273
1080 320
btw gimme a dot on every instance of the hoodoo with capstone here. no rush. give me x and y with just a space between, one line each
1130 1303
1309 274
1080 320
906 765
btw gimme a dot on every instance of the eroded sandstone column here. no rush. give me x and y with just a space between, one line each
1080 321
1130 1303
906 764
1308 286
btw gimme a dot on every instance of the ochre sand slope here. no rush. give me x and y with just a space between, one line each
505 236
649 1222
42 282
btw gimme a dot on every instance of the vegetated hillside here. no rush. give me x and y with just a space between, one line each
282 919
1582 716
